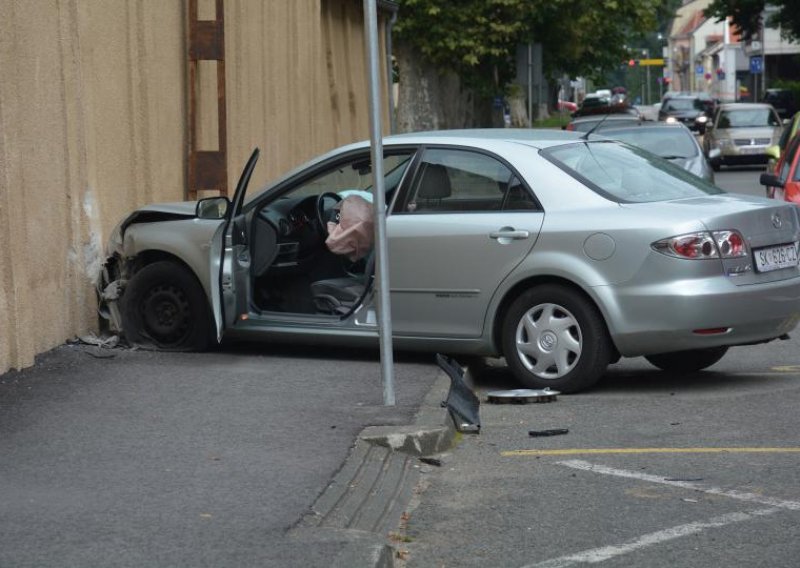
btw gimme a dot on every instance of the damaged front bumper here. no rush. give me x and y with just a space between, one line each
109 291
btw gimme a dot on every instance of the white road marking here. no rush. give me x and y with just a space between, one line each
606 552
603 553
733 494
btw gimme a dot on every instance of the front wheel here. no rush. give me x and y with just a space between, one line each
687 361
165 306
555 337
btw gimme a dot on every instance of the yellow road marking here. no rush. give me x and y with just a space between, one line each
577 451
787 369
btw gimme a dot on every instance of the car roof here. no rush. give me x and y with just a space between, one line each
731 106
608 116
650 126
538 138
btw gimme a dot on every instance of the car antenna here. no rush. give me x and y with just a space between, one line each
595 127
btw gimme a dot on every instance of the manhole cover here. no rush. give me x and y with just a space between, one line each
522 396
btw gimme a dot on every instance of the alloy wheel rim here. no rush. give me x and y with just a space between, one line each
549 341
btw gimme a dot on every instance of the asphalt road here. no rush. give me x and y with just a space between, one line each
690 470
134 458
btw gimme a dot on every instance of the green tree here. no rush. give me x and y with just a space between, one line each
747 15
452 56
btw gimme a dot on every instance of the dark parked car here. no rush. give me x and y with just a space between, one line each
599 105
783 101
598 122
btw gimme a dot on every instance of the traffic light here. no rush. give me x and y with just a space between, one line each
632 63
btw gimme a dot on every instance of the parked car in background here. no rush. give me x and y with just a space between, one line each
568 106
741 132
673 142
782 100
560 253
689 110
775 151
602 105
784 182
598 122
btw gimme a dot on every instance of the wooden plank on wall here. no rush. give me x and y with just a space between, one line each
207 169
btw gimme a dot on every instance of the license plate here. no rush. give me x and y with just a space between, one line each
751 149
775 258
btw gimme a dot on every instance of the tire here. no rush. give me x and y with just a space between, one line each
569 352
164 306
687 361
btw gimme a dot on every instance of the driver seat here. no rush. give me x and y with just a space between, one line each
339 296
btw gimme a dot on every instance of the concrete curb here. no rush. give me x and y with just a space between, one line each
367 498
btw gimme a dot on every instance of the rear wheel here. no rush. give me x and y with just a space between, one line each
165 306
554 337
687 361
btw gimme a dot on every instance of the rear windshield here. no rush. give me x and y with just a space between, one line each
666 142
627 174
743 118
683 104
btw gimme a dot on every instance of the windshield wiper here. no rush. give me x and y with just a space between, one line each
595 127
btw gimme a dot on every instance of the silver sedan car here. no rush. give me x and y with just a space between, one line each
560 251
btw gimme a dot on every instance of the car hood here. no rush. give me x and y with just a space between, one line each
750 132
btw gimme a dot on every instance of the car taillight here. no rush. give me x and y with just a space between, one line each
730 244
703 245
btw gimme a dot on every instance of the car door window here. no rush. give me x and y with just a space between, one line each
355 176
450 181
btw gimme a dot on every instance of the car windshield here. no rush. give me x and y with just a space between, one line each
683 104
626 174
665 142
744 118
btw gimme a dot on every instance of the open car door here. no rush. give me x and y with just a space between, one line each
230 253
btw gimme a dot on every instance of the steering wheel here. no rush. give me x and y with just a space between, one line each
323 212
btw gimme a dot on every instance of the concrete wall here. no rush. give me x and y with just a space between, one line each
93 124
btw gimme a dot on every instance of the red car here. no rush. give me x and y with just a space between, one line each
784 183
567 106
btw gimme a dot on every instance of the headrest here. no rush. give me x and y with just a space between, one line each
435 183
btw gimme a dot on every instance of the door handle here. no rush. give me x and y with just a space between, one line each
509 234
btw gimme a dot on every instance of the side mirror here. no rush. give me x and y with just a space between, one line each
212 208
714 153
773 152
770 180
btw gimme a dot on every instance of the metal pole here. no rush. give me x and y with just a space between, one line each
763 58
647 56
379 200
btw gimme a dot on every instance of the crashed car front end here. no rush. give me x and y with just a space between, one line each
153 233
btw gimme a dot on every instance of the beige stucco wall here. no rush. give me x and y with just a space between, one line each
93 124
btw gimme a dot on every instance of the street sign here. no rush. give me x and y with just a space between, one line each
645 62
756 65
699 70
